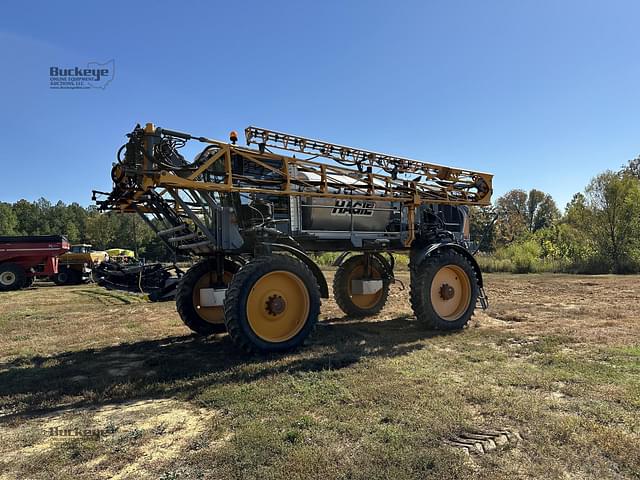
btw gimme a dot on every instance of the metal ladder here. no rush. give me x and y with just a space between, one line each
181 232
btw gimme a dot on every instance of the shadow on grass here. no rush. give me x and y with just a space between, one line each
181 366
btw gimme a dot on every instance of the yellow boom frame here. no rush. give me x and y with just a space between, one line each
433 184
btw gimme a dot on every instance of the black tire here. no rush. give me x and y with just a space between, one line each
422 279
12 277
300 304
63 277
359 306
185 305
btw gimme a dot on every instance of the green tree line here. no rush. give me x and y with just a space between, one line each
599 231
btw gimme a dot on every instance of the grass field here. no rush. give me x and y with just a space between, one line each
97 384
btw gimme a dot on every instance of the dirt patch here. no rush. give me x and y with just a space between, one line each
153 432
601 309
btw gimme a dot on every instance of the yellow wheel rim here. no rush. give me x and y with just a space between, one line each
363 301
278 306
450 292
208 280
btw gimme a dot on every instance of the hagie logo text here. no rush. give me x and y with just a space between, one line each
357 208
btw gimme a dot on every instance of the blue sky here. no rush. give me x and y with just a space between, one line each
543 94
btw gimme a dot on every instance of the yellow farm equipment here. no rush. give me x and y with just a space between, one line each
77 265
121 255
253 214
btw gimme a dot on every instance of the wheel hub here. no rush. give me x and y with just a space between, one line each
451 292
7 278
447 292
275 305
363 300
211 314
278 306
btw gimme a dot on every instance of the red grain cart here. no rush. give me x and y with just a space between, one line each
22 259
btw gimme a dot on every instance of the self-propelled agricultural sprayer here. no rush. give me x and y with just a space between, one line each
253 214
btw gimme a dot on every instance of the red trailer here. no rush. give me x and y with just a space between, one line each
24 258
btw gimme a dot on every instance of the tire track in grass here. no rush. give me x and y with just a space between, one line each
109 297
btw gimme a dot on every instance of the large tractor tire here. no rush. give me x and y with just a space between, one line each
202 320
444 290
354 305
67 276
12 277
272 305
61 278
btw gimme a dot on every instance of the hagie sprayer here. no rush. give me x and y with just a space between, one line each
253 215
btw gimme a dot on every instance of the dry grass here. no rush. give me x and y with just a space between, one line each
556 358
